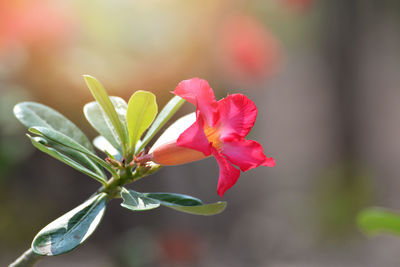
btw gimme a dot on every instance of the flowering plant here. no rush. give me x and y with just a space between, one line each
217 128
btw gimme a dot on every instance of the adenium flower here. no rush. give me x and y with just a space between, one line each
247 49
219 130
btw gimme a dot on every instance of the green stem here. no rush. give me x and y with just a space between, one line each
111 188
143 172
27 259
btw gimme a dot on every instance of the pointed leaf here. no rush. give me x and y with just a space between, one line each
68 142
42 144
166 113
103 145
187 204
136 201
379 220
142 109
102 124
100 94
76 156
174 130
72 229
178 202
33 114
206 209
176 199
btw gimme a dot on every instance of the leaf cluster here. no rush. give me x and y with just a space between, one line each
124 131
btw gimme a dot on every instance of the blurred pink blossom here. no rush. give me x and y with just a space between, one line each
33 23
247 49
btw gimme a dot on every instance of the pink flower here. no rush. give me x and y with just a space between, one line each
34 22
247 49
219 130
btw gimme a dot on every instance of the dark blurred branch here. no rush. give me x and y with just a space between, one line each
342 43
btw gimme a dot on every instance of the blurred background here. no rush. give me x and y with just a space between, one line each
324 75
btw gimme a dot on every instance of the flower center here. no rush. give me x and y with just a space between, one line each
213 136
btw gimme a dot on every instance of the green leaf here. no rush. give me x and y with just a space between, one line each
43 145
207 209
100 94
68 142
72 229
136 201
174 130
166 113
177 202
187 204
33 114
102 124
103 145
142 109
377 220
175 199
77 156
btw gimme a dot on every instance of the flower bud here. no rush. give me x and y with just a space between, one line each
172 154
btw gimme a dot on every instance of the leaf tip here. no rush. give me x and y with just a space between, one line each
87 76
89 79
16 109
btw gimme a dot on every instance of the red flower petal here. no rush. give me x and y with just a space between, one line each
228 174
226 123
237 116
199 93
246 154
269 162
194 137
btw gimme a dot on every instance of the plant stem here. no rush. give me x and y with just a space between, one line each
27 259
